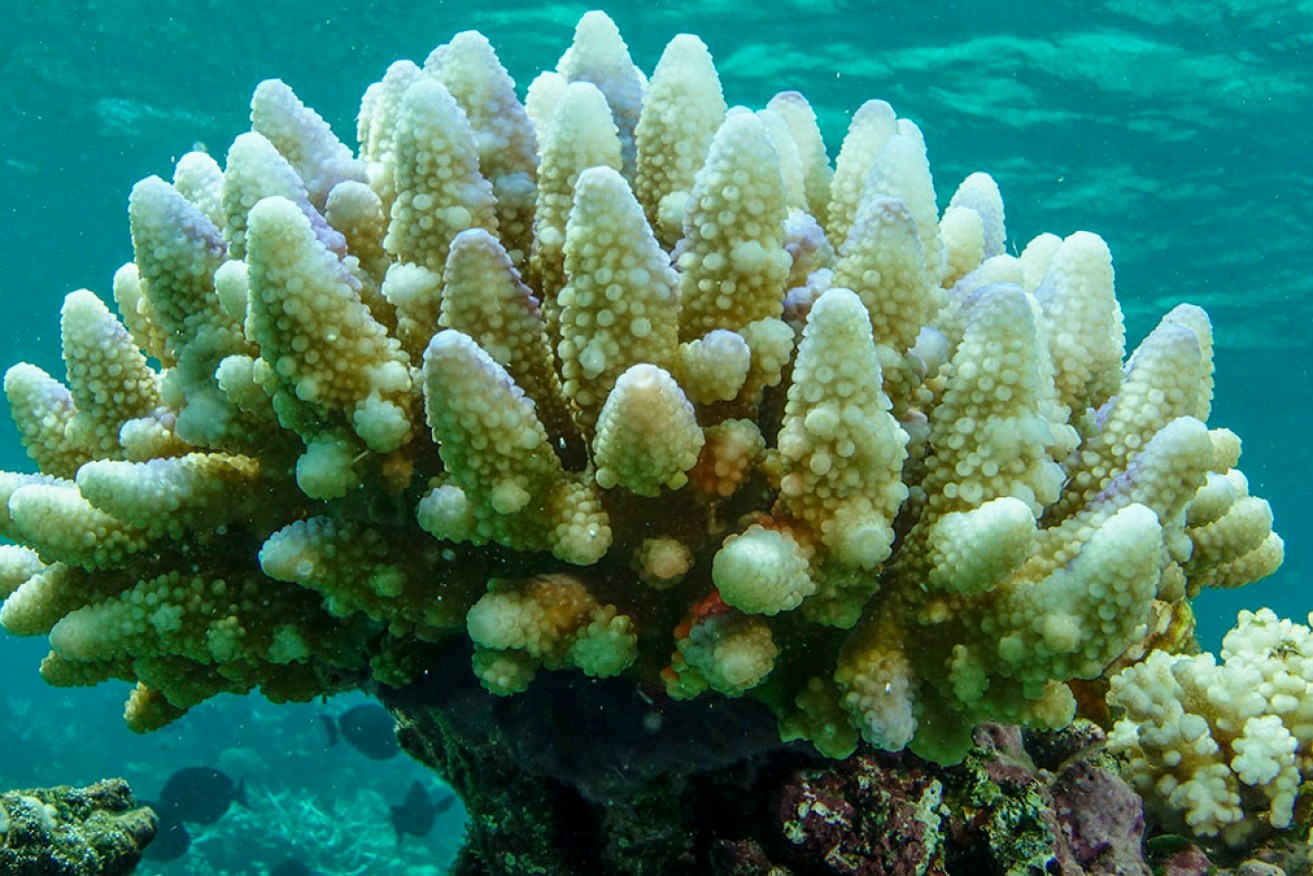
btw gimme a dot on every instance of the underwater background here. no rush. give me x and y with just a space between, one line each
1181 132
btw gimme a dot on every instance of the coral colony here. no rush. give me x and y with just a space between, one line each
622 381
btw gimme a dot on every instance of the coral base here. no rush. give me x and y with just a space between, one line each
581 777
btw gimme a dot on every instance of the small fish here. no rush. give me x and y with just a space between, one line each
171 837
202 795
368 728
416 815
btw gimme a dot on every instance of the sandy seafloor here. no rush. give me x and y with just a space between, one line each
1180 131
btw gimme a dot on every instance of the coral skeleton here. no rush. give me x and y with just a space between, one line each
347 834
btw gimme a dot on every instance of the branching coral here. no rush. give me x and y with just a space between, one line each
569 375
1221 748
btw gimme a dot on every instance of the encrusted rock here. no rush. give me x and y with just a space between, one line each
66 831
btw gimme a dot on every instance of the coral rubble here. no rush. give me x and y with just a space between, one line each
617 381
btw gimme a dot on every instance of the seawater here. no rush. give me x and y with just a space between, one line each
1179 131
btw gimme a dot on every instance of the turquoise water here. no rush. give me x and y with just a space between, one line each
1179 131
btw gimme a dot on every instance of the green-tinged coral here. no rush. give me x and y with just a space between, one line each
617 381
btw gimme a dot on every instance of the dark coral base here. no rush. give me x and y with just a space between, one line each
584 777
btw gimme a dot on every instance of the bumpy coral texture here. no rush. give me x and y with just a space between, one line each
618 380
1221 748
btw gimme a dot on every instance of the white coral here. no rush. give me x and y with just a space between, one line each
1221 748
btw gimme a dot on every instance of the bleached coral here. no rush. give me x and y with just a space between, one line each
558 375
1221 748
550 620
347 833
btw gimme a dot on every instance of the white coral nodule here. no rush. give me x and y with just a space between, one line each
555 335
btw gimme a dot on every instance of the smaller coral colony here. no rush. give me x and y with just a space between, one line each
619 380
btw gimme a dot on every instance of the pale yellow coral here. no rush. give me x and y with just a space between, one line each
979 194
974 551
483 296
731 258
875 679
894 481
762 571
507 484
376 126
901 170
550 620
199 179
1165 379
17 564
46 595
540 100
177 617
660 563
359 568
800 119
109 379
302 137
138 313
470 69
1076 620
841 453
357 211
963 234
1231 533
871 127
414 294
881 261
178 249
988 435
43 409
617 308
580 134
440 189
792 171
1216 747
715 367
59 522
199 491
301 297
1083 320
599 55
683 109
257 170
647 434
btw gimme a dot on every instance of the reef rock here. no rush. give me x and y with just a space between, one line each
99 829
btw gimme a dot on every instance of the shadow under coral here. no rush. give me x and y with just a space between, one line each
579 776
